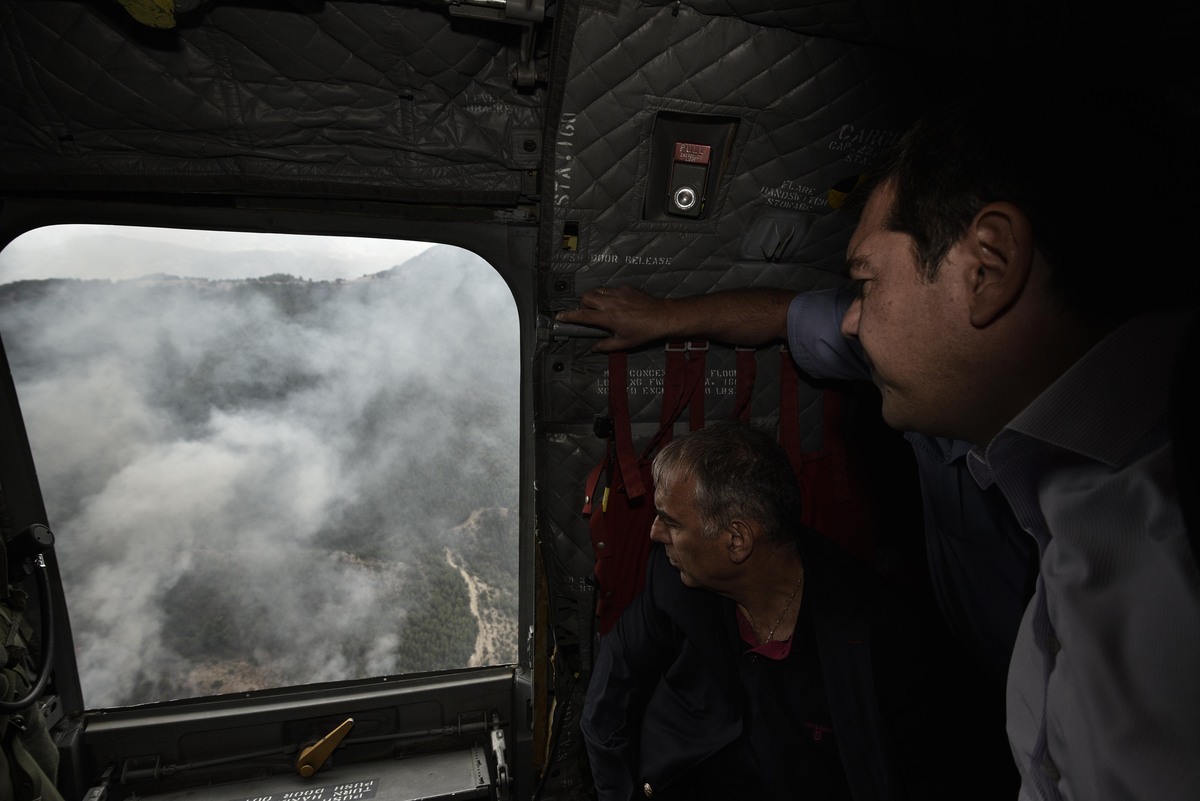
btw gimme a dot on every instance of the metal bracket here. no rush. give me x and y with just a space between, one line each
527 13
503 781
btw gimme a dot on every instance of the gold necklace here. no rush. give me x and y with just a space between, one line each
786 607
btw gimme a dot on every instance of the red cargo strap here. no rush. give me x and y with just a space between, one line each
834 504
674 378
697 351
619 519
683 387
618 409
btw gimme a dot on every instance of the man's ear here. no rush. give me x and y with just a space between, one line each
999 259
741 535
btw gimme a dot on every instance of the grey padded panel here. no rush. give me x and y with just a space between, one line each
579 392
812 112
350 99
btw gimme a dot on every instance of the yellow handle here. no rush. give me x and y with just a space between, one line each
312 758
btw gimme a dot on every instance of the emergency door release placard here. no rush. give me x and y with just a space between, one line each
693 154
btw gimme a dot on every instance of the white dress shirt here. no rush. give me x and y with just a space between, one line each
1104 683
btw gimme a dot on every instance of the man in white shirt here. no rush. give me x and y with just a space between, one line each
997 305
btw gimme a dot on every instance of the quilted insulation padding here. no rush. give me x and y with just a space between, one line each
812 113
575 392
336 98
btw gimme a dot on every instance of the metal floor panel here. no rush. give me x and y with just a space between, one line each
450 775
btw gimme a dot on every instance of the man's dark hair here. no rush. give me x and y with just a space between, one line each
739 472
1106 176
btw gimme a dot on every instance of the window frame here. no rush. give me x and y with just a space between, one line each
89 740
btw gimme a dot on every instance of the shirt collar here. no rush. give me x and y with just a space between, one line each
1108 401
775 649
981 471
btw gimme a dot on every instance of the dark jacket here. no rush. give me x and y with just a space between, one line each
665 694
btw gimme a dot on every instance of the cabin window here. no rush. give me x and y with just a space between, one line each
268 460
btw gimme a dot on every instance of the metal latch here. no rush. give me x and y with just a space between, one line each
311 759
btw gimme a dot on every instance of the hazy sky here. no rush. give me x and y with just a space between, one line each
94 251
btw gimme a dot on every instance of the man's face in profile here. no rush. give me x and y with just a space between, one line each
677 525
902 320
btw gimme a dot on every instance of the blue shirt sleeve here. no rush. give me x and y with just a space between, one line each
815 338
